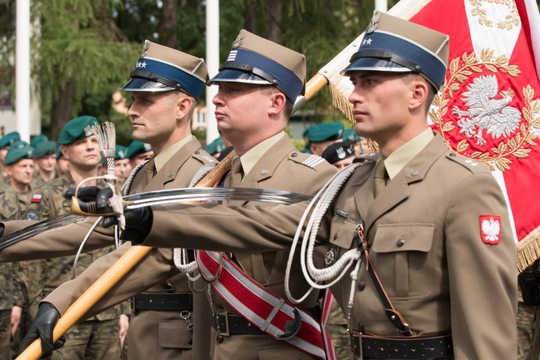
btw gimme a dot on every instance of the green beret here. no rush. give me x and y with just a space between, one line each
76 129
18 144
44 148
136 148
9 139
120 152
37 139
215 146
325 132
350 135
15 154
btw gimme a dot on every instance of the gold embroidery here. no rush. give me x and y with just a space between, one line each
509 21
460 71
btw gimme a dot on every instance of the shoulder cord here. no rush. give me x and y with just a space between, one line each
181 256
124 191
320 203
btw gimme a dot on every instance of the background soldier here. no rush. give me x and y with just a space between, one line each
95 338
137 152
321 136
14 199
44 163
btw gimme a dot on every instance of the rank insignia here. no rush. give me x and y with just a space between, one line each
490 229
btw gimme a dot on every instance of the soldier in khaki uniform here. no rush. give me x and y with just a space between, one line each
257 87
433 225
161 113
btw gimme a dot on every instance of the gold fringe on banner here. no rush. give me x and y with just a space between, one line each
528 249
340 99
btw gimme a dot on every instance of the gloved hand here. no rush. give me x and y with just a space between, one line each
91 193
42 327
138 224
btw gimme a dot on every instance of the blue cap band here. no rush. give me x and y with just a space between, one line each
407 54
158 71
268 69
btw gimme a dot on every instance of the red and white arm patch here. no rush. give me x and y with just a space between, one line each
490 229
36 198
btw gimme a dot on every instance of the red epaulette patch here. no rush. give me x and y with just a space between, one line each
36 198
490 229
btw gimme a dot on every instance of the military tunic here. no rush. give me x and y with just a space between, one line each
281 167
97 337
442 277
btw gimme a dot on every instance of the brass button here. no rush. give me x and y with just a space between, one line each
294 155
400 243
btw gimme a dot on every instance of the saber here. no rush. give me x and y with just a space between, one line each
161 197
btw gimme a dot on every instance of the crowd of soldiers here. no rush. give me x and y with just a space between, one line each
35 177
427 282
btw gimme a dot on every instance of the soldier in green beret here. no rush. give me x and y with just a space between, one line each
45 163
137 152
122 165
62 164
15 199
37 139
321 135
97 337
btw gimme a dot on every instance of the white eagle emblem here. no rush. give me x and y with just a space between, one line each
486 113
491 229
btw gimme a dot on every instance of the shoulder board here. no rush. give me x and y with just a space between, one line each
204 157
470 164
308 160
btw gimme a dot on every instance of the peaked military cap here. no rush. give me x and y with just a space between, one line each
136 148
215 146
15 154
350 135
37 139
161 68
9 139
338 151
76 129
396 45
325 132
255 60
44 148
120 152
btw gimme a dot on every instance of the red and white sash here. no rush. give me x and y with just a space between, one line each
263 308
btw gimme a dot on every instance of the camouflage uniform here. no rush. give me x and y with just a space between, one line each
13 206
337 329
6 300
97 337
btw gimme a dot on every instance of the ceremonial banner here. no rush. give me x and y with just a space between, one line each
489 107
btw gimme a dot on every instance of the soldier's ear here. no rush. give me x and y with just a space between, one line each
419 93
184 105
277 103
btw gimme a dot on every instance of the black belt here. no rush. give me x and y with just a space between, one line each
403 347
163 302
227 324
